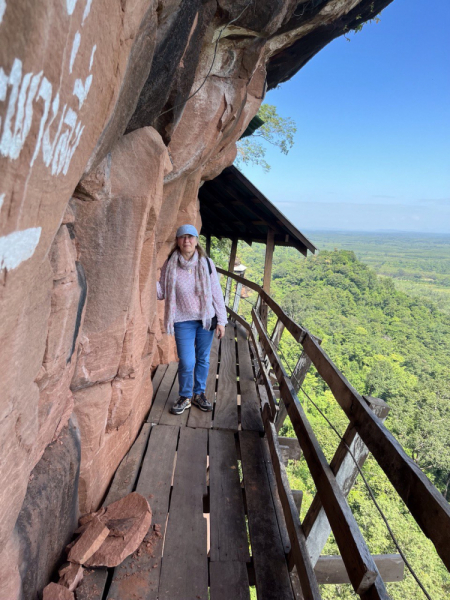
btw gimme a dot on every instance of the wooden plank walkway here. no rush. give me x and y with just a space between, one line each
234 408
216 526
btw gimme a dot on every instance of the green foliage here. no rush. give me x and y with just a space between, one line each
373 17
276 130
390 345
419 264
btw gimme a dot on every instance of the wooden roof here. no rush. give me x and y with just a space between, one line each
232 207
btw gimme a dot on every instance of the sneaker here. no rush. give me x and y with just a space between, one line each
181 405
201 402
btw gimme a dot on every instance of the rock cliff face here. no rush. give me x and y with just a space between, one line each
111 116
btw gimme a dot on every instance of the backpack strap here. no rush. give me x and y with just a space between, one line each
209 265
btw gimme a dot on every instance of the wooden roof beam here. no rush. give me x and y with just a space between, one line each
237 218
233 173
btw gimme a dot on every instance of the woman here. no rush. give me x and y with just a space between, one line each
190 286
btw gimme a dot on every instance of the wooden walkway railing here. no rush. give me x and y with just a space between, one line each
366 433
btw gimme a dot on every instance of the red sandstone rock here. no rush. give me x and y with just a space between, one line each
70 576
85 519
54 591
123 218
128 521
89 541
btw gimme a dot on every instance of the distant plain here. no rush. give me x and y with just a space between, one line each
419 264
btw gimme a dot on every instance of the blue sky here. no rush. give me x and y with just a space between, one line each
372 149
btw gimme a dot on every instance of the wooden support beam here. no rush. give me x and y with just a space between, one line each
297 378
425 502
316 525
359 563
331 569
292 447
254 205
299 554
277 333
226 213
268 261
260 199
208 245
237 297
297 332
298 498
234 244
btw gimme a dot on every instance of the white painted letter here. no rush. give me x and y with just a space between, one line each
81 90
91 62
48 147
2 9
59 156
71 6
24 114
14 80
18 247
45 92
75 47
87 10
70 153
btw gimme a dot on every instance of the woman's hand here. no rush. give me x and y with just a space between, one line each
220 331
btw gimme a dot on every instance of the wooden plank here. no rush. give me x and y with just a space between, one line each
123 483
184 571
276 498
425 502
331 569
316 526
228 530
358 560
271 572
297 332
299 553
139 573
225 411
250 407
229 580
92 585
157 377
238 319
167 418
163 392
198 418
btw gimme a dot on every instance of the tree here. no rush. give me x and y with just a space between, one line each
278 131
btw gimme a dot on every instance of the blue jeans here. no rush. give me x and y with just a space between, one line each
193 347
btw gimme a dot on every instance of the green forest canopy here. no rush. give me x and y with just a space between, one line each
390 345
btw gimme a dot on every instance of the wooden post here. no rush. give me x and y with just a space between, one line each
316 526
277 333
231 262
297 379
267 271
208 245
237 297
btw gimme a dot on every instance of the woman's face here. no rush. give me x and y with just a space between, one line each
187 243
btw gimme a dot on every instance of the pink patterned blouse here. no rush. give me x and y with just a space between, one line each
188 303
